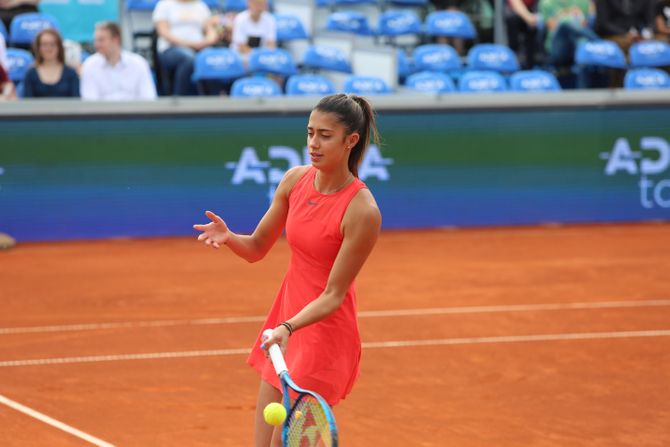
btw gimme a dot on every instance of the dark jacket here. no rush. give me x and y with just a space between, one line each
617 17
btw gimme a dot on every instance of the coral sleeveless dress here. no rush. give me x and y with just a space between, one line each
324 356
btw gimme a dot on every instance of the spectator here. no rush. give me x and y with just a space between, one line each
566 22
450 5
254 27
624 21
7 91
522 33
184 27
662 20
113 74
49 77
11 8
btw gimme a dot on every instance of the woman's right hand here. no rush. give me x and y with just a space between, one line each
215 233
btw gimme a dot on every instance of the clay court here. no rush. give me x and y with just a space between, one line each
506 337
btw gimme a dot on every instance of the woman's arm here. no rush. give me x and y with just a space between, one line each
520 9
254 247
163 30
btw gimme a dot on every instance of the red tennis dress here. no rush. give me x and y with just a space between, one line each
325 356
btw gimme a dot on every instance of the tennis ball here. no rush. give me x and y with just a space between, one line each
274 413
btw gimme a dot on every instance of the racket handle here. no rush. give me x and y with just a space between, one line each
275 354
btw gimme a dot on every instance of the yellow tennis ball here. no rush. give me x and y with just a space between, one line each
274 413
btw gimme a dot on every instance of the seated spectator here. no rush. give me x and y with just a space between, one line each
450 5
49 77
3 53
184 27
7 91
662 21
114 74
522 34
566 22
624 21
11 8
255 27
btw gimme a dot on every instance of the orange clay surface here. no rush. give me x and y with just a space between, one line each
472 369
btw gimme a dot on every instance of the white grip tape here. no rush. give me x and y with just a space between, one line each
275 354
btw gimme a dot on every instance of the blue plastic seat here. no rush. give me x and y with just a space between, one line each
490 56
234 5
140 5
272 60
325 57
289 27
450 24
430 82
436 57
646 79
365 85
600 53
309 84
534 81
25 27
220 64
409 3
650 53
254 87
18 63
398 23
482 82
349 22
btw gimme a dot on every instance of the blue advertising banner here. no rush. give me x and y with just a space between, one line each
77 18
99 176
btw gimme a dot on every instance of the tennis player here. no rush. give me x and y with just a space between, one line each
332 223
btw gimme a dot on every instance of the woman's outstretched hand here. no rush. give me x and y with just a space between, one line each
215 233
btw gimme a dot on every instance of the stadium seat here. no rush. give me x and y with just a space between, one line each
254 87
18 61
489 56
273 61
409 3
25 27
309 84
349 22
450 24
221 64
289 27
430 82
325 57
398 23
646 79
365 85
600 53
140 5
234 5
534 81
436 57
481 82
650 53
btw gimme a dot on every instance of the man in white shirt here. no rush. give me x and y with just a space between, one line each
254 27
113 74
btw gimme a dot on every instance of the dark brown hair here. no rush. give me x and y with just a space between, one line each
39 60
357 115
111 27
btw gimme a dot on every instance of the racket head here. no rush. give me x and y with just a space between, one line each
310 421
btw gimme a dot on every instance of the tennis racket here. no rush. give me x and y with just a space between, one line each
310 421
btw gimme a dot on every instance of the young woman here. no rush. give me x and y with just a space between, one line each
50 77
332 222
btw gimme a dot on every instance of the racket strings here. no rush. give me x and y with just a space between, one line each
308 425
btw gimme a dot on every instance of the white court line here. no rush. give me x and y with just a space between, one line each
53 422
366 345
362 314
